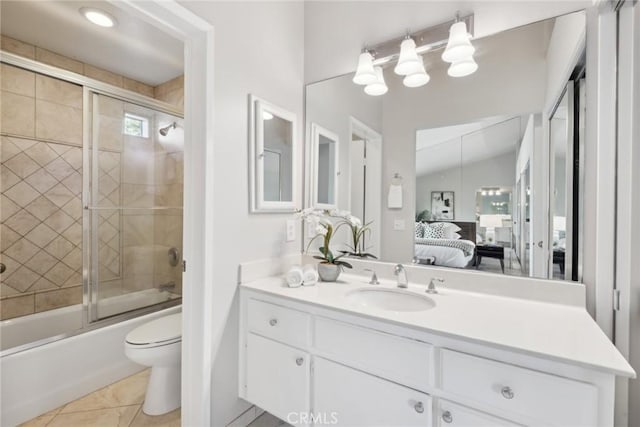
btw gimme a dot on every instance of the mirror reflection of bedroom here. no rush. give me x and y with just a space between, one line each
465 203
473 190
490 190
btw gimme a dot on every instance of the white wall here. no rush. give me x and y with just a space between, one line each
259 49
499 87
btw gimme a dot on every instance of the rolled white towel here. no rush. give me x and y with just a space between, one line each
309 275
294 277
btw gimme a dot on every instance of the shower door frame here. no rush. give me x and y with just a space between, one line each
89 86
90 136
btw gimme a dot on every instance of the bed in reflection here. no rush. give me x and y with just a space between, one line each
447 244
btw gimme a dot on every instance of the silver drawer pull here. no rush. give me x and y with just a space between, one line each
299 361
419 407
273 322
447 417
507 393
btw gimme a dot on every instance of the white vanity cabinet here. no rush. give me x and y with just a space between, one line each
361 399
449 414
333 367
278 366
278 374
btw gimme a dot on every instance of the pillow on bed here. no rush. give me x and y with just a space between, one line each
434 231
450 230
419 230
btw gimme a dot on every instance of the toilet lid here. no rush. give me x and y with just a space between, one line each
167 328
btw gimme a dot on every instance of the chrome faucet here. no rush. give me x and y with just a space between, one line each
374 277
401 274
431 289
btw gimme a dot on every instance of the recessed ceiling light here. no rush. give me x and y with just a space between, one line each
98 17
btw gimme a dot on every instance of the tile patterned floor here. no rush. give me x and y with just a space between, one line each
117 405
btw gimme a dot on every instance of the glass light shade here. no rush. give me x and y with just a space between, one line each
409 62
418 79
365 73
463 68
458 46
379 87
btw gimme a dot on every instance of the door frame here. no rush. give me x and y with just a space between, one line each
627 229
197 295
372 136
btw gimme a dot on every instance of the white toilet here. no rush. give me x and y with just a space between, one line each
158 344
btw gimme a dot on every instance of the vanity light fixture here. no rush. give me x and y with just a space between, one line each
459 46
459 51
455 35
409 62
379 87
267 115
417 78
462 68
365 73
98 17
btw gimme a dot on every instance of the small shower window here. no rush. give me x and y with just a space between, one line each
136 125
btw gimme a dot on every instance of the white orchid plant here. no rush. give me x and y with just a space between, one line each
321 221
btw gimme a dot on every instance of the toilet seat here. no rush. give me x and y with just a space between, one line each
163 331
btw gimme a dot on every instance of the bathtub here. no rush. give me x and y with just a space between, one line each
35 327
39 379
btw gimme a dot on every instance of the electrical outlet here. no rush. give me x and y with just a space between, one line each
398 224
291 230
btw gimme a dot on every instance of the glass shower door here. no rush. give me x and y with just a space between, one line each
135 157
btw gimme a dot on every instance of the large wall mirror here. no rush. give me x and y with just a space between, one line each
490 164
273 153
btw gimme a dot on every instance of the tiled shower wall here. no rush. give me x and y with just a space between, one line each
41 183
41 207
51 58
169 172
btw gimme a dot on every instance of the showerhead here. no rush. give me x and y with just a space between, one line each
165 130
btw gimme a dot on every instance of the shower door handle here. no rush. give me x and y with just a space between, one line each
3 268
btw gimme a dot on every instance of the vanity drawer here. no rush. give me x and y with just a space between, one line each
347 397
279 323
550 399
399 359
454 415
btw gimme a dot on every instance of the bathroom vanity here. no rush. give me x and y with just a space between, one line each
350 353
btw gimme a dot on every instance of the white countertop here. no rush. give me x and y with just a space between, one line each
562 332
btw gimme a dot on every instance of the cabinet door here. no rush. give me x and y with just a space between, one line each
347 397
454 415
277 378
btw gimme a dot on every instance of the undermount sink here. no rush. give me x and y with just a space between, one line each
390 299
